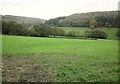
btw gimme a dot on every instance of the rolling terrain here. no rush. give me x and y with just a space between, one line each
20 19
103 18
62 59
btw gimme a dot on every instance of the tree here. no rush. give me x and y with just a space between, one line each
57 31
93 24
54 31
73 33
31 31
42 30
5 28
61 32
118 34
97 34
12 28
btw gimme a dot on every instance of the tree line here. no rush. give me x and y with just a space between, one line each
45 30
40 30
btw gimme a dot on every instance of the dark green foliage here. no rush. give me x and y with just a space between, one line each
60 32
118 33
56 21
12 28
5 28
107 21
104 19
46 30
30 32
42 30
57 32
73 33
86 34
96 34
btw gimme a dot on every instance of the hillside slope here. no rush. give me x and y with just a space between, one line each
105 18
20 19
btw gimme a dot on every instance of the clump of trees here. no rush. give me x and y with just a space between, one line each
44 30
96 34
57 32
41 30
73 34
12 28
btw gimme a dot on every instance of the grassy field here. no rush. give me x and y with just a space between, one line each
110 31
59 59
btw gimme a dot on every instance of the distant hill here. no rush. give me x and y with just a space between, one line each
20 19
105 18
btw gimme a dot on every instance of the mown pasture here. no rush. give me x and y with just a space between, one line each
40 59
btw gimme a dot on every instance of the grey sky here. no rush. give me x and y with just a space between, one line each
47 9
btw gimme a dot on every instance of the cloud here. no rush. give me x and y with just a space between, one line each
47 9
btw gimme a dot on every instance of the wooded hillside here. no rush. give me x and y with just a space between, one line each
104 19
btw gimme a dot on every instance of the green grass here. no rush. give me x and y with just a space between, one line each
110 31
59 59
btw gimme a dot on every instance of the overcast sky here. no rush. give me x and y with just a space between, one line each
46 9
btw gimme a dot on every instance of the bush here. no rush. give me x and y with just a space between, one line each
42 30
118 33
73 34
86 34
96 34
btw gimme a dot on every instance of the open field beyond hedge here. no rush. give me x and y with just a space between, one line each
110 31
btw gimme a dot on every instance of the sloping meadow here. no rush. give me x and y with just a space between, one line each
35 59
